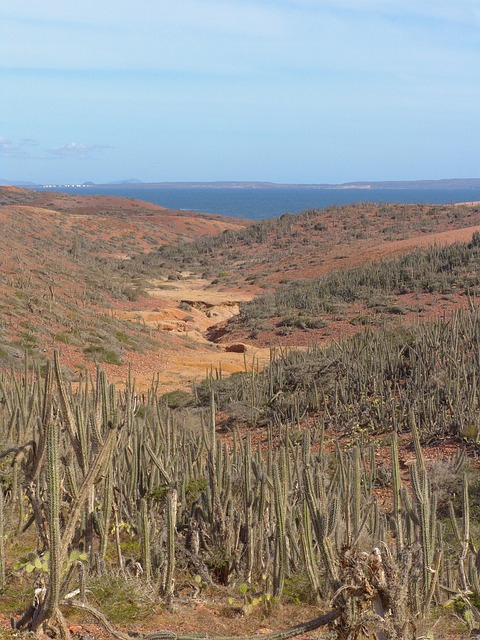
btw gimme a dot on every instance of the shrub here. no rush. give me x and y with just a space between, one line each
177 399
123 600
100 354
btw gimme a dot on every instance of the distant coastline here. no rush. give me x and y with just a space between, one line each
133 183
448 183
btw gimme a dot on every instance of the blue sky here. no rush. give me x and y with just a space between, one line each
304 91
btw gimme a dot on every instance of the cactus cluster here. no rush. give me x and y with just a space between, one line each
373 383
90 461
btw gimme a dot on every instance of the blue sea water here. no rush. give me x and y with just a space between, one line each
257 203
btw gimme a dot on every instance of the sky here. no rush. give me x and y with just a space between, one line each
291 91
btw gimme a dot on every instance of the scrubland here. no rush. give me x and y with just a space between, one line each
331 489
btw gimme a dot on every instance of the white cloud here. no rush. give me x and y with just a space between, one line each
5 143
9 149
76 150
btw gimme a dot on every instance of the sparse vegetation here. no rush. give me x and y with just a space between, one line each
100 354
287 236
443 270
311 482
292 515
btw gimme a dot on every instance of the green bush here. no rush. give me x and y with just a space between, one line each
100 354
178 398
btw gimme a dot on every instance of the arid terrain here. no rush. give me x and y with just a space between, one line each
82 274
175 298
64 283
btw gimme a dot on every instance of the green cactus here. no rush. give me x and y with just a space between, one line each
172 504
144 527
280 557
2 540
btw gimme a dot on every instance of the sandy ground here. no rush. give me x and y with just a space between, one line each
203 305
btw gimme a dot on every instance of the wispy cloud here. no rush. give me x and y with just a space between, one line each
23 150
451 10
234 87
28 142
76 150
9 150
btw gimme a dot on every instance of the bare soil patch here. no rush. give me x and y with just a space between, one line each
203 305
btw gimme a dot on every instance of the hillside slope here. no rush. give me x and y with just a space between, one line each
314 242
128 283
64 275
303 485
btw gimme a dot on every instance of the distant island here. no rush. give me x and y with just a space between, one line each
446 183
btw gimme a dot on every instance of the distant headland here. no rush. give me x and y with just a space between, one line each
446 183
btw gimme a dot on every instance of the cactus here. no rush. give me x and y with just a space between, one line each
397 487
284 509
248 516
425 513
49 605
280 557
465 539
106 512
320 520
2 540
311 564
96 468
172 503
144 528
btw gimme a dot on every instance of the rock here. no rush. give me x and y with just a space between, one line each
236 348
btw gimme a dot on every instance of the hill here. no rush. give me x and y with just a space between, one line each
273 255
341 478
64 280
317 241
126 283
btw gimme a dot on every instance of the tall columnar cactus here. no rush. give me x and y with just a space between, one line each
465 541
106 512
49 605
2 540
323 527
425 512
248 516
97 467
397 487
217 510
53 488
144 526
280 557
172 504
285 509
357 488
67 412
311 563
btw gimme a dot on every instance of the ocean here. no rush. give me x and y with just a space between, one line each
256 204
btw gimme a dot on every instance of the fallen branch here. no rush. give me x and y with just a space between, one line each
291 632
